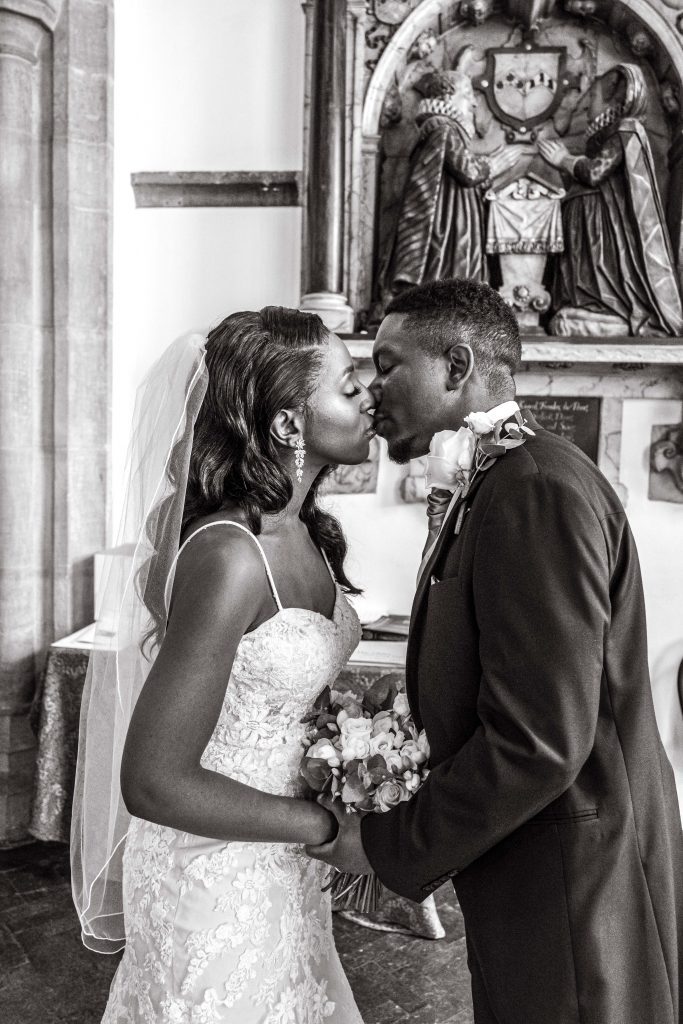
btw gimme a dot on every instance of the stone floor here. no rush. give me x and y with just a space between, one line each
48 977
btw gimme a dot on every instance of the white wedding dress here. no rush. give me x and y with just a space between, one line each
240 932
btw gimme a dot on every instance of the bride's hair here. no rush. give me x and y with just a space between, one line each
258 363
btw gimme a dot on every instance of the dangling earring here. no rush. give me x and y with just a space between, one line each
299 456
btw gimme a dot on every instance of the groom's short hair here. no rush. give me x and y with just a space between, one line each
459 311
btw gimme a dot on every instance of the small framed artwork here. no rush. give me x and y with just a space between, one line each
361 479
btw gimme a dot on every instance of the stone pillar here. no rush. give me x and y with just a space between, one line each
324 274
82 214
55 302
25 387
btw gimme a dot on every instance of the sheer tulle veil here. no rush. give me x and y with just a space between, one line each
129 628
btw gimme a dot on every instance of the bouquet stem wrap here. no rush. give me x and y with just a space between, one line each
354 892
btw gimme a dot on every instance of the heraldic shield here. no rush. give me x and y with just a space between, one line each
524 86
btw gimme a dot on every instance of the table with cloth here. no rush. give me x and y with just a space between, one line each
57 718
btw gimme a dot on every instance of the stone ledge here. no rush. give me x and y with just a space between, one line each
566 350
173 189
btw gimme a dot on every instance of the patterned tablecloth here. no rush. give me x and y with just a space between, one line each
58 718
60 705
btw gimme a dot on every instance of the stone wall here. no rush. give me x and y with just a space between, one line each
55 134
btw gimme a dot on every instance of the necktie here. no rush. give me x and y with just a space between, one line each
438 500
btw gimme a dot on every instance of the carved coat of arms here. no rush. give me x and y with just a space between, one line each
524 86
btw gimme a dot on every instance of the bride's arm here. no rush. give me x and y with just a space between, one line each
219 591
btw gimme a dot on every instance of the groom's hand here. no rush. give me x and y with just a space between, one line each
346 849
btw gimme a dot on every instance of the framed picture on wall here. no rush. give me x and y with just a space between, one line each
361 479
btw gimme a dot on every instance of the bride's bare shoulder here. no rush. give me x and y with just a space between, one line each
219 560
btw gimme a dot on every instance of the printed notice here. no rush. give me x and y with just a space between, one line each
577 419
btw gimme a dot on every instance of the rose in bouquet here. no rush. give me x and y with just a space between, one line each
367 753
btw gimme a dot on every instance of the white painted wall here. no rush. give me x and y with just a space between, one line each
210 85
385 538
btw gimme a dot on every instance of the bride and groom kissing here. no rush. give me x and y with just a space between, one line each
550 803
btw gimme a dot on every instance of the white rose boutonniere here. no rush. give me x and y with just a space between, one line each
456 457
480 423
450 458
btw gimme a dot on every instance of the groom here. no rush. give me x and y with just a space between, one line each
551 803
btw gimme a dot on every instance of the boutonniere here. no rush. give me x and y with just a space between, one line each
494 436
456 458
450 459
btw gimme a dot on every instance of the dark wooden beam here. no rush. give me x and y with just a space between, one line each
216 188
324 271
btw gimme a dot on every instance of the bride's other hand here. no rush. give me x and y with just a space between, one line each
345 851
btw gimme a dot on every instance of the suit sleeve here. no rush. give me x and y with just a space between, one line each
541 599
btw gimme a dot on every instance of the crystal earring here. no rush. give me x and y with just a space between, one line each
299 456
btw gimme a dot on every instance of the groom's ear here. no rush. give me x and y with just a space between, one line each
287 427
460 360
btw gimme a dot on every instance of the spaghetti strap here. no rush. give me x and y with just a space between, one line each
228 522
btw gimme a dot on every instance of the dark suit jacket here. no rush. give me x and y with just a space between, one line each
551 801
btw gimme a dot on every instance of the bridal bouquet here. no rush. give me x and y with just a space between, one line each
368 754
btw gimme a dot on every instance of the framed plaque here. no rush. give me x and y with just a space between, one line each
577 419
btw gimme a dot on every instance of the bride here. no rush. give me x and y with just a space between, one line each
232 620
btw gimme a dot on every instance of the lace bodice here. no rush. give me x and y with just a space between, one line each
279 670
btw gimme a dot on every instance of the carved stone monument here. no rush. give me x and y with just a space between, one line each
617 273
440 228
441 225
427 139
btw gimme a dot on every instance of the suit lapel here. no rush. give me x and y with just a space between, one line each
445 536
447 530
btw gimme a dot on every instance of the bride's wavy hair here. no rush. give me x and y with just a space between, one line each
257 363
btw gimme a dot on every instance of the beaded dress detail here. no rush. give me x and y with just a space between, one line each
240 932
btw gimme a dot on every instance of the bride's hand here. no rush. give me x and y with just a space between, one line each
345 851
